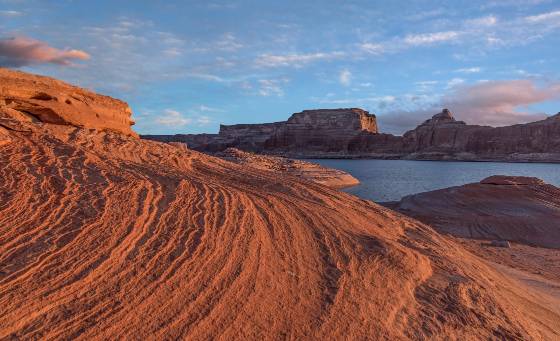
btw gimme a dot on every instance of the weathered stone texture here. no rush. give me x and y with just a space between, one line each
51 101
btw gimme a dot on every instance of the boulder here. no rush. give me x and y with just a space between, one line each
27 97
520 209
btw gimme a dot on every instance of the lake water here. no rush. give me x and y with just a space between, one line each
389 180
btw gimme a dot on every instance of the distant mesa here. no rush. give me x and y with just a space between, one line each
353 133
320 130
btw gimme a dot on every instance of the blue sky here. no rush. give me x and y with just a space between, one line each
187 66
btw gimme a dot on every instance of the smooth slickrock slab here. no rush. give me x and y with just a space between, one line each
521 209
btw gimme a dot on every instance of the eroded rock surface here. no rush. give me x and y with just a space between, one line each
30 97
321 130
520 209
444 137
352 133
282 166
106 236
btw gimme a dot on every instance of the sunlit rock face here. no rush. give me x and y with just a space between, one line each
354 133
30 97
320 130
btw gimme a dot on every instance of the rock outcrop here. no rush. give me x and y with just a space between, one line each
353 133
519 209
106 236
443 137
310 131
281 166
49 100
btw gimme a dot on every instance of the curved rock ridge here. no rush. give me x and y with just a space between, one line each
32 97
106 236
330 177
504 180
519 209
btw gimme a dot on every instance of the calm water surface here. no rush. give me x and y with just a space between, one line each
388 180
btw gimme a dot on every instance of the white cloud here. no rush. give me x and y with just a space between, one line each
454 82
555 15
469 70
483 21
271 87
430 38
345 77
10 13
228 42
294 60
204 108
203 120
373 48
424 86
172 118
354 101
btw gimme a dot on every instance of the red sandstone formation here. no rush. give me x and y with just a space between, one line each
350 133
444 137
107 236
519 209
333 178
322 130
52 101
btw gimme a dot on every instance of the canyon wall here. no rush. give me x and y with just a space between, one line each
311 131
353 133
48 100
443 137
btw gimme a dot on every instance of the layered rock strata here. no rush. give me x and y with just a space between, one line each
322 130
348 133
49 100
281 166
105 236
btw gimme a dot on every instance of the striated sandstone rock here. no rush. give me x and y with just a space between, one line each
30 97
106 236
502 180
4 136
330 177
521 209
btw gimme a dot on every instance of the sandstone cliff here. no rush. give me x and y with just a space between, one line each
322 130
48 100
352 133
444 137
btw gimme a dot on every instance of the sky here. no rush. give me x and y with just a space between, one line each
189 66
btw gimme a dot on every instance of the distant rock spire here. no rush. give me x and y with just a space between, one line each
445 116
